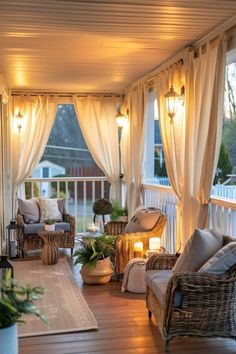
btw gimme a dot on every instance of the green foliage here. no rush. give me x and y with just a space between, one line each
62 192
95 249
117 211
102 206
229 138
224 165
28 192
17 300
49 221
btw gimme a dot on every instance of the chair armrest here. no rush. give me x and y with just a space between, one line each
71 220
162 261
115 227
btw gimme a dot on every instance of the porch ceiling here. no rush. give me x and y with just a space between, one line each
97 46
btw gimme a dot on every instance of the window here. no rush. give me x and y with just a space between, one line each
45 172
225 177
155 170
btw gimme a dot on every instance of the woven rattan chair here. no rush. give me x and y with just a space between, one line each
208 306
30 242
124 245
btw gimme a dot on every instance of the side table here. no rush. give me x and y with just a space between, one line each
50 249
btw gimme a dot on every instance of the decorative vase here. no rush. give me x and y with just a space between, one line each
9 340
50 227
101 274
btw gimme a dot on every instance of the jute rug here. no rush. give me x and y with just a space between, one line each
62 303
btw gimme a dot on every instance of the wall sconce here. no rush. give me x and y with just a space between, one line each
172 102
19 120
121 119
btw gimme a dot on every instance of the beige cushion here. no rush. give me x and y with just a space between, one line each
144 219
49 209
29 209
202 245
222 261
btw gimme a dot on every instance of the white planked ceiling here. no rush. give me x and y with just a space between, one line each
97 46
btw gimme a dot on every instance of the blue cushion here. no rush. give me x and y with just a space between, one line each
158 281
31 229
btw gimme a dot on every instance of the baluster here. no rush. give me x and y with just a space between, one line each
84 207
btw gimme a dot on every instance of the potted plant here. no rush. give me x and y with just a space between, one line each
101 207
15 301
49 225
95 257
118 212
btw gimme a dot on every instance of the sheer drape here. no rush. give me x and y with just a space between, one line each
191 145
132 146
205 102
96 116
27 146
173 134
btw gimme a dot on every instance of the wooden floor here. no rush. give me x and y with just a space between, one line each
124 328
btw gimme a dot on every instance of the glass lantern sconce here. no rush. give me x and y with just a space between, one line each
173 100
19 121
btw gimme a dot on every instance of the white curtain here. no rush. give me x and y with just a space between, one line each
132 146
204 109
96 116
28 144
173 135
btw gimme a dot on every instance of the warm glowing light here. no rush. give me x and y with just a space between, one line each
172 103
121 120
19 118
138 249
154 243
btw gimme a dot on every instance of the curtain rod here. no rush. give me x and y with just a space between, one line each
60 94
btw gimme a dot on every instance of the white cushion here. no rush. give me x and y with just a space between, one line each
49 209
136 283
202 245
222 261
144 219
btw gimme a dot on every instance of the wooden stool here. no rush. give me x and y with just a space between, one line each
50 249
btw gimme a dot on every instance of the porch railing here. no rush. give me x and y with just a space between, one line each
222 212
164 198
223 215
79 193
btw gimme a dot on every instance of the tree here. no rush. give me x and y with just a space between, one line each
224 165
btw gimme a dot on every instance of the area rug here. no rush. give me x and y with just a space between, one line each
62 303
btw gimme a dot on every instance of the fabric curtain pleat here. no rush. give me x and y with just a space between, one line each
96 117
27 146
132 146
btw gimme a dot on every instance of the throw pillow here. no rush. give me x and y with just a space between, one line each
202 245
29 209
61 204
49 209
144 219
222 261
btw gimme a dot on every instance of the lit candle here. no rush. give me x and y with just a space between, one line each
154 243
138 249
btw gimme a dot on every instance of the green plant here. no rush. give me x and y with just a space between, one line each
49 221
95 249
117 211
28 190
102 206
16 300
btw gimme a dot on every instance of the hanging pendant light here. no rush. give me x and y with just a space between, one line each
19 120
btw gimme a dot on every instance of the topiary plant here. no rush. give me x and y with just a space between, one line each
102 206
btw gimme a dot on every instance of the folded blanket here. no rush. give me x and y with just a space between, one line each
131 263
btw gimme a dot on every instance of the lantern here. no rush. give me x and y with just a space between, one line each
5 267
13 245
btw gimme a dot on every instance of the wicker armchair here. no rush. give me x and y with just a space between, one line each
30 242
208 305
124 245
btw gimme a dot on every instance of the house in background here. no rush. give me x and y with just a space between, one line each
47 169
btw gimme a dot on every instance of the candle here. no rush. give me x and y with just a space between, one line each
138 249
154 243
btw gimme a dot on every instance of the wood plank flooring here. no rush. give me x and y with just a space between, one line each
124 328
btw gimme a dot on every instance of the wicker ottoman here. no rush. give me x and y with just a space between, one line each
133 280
